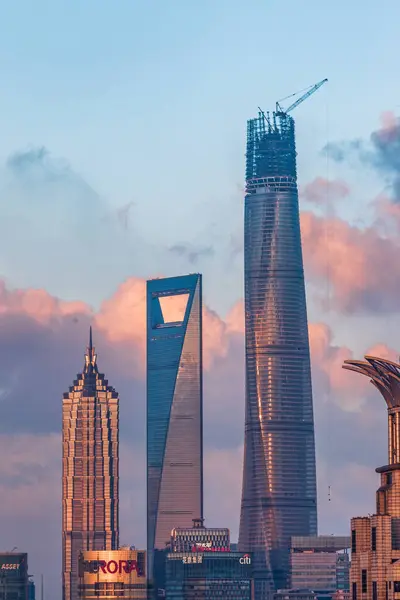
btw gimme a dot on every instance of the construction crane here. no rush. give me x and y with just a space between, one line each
309 91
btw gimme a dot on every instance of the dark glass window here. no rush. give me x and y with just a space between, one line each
364 581
354 591
353 541
374 590
396 587
373 539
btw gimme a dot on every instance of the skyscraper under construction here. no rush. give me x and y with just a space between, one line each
279 497
89 469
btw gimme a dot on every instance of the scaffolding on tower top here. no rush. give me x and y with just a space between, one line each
271 147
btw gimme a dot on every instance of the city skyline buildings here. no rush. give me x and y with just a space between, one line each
279 497
90 469
174 407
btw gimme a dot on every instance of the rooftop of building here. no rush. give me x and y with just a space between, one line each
328 543
198 526
208 555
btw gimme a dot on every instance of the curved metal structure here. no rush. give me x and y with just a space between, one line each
385 376
279 498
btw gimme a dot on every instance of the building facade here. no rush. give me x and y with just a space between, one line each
14 576
110 575
375 540
209 575
294 595
90 469
321 564
174 407
343 572
200 539
31 590
279 498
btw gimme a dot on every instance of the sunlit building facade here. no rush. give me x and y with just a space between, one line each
279 498
174 407
112 574
375 539
90 469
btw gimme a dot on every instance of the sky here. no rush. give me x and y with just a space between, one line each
122 158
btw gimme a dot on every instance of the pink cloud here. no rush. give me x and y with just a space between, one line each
321 190
361 264
121 320
37 304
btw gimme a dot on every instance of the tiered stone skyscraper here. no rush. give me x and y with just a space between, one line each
90 495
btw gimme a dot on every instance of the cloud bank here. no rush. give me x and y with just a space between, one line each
381 152
42 345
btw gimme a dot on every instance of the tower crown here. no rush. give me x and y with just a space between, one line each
90 356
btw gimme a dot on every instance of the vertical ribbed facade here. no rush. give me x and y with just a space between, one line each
90 467
174 408
279 476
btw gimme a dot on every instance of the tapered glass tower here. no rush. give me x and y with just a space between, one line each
89 469
279 477
174 407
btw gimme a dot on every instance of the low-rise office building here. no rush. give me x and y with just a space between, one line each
199 538
320 563
294 595
13 576
112 575
208 575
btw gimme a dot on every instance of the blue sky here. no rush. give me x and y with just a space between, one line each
147 102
